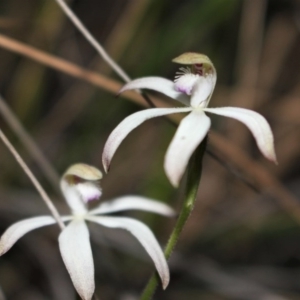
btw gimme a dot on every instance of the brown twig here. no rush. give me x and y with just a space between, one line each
281 35
250 42
262 178
71 69
248 62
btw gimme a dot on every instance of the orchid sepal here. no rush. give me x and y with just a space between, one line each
256 123
130 123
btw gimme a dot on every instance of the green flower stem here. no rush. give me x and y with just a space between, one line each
192 184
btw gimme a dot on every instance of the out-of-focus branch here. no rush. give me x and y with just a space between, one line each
29 144
92 40
70 69
123 30
78 96
281 35
262 178
248 62
33 179
225 283
250 42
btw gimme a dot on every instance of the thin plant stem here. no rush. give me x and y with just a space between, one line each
76 21
192 184
97 46
33 179
29 144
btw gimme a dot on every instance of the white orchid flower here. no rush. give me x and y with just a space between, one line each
80 184
193 87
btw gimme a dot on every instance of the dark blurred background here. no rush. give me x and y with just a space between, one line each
243 238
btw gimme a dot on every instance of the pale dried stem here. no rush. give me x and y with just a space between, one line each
248 62
262 178
65 67
33 179
78 95
123 31
92 40
281 36
72 69
24 90
250 42
29 144
98 47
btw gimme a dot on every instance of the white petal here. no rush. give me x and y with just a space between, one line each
89 191
185 83
158 84
73 197
202 90
75 249
256 123
128 124
133 202
191 131
17 230
145 236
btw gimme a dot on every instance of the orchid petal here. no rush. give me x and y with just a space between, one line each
256 123
75 249
73 197
17 230
145 236
202 90
191 131
133 202
128 124
158 84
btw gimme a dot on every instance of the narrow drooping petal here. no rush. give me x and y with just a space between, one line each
73 197
17 230
75 249
202 90
144 236
158 84
256 123
191 131
133 202
127 125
